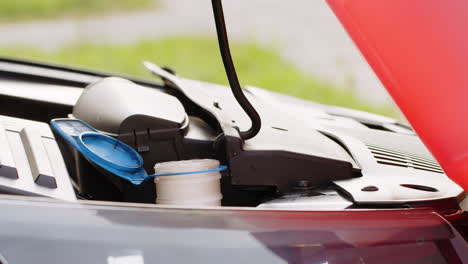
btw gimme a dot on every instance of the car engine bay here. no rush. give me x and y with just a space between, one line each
306 156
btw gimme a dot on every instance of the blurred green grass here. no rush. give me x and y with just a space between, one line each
13 10
198 58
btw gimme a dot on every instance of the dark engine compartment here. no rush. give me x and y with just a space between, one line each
303 149
257 173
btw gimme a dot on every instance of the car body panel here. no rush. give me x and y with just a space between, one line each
419 51
57 232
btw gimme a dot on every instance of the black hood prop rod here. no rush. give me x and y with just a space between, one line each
232 75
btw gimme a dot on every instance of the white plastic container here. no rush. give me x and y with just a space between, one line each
199 189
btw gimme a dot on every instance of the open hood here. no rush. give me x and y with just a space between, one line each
419 50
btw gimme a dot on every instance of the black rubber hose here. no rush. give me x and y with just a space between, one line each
231 73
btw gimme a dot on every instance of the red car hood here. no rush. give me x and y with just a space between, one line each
419 50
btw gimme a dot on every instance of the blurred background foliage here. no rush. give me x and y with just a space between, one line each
199 58
191 56
13 10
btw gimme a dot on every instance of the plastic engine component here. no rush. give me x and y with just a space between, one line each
184 187
107 103
111 156
31 162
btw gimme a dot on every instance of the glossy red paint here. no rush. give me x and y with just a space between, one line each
420 235
419 50
90 232
380 236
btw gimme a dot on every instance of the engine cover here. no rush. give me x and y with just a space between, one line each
31 162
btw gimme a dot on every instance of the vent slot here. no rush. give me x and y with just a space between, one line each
396 158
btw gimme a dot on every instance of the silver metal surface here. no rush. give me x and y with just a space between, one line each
59 94
391 177
35 164
328 200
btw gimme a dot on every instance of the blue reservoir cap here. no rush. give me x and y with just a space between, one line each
109 153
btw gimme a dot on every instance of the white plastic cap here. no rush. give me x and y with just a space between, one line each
199 189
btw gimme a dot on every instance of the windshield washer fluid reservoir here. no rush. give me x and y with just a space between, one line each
191 182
